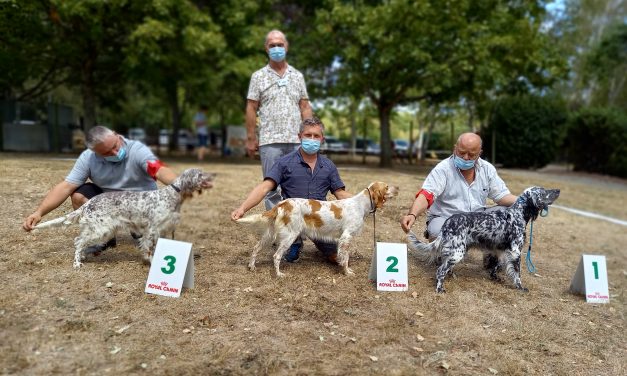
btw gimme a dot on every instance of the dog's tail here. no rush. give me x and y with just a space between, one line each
426 252
64 221
259 221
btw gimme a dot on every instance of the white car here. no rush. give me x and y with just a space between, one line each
137 134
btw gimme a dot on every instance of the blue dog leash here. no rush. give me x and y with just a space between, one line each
530 267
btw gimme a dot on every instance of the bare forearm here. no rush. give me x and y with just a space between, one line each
507 200
251 119
341 194
305 109
165 175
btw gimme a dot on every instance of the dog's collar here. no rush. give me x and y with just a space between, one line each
175 187
372 207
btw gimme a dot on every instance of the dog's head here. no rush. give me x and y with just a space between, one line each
193 180
381 192
536 199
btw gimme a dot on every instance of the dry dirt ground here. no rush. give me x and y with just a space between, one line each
98 320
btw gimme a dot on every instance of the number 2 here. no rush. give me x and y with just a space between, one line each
391 268
171 260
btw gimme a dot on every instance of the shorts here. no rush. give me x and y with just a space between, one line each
89 190
203 140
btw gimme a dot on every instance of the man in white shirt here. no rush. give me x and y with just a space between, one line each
460 183
278 92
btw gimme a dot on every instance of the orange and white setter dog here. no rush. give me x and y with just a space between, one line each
332 221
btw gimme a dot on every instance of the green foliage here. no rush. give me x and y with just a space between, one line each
597 141
395 52
528 130
607 66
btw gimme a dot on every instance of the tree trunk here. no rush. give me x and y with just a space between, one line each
386 150
89 95
172 93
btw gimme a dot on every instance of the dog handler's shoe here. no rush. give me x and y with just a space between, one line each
96 249
293 254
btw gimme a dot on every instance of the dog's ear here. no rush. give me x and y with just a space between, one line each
379 190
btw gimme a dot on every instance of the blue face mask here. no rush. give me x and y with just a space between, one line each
310 146
277 54
118 157
463 164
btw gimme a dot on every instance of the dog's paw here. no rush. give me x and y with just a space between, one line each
251 267
280 274
523 289
77 265
349 271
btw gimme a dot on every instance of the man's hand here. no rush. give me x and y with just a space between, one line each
237 214
251 146
31 221
407 221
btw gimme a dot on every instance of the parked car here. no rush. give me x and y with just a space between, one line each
185 139
400 147
137 134
372 147
332 144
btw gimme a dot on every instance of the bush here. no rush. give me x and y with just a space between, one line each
597 141
528 131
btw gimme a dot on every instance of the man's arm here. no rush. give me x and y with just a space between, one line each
251 124
305 109
341 194
419 206
165 175
254 197
507 200
53 199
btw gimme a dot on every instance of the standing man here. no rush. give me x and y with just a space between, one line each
202 133
278 92
111 163
460 183
303 173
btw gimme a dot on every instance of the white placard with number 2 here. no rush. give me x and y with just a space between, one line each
392 267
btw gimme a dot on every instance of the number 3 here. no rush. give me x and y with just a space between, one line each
171 260
391 268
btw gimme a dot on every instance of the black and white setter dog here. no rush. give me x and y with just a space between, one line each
146 213
501 234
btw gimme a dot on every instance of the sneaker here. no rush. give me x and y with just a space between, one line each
293 254
96 249
136 238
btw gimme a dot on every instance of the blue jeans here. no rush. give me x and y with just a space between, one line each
269 154
327 248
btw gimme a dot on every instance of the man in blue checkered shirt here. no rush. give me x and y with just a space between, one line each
303 173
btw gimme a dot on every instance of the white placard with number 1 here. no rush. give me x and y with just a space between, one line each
591 279
391 261
171 269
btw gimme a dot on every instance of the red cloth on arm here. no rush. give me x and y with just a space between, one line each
152 167
428 195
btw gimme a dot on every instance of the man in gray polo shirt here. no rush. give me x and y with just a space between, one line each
278 92
111 163
460 183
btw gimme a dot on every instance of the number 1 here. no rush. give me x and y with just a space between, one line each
596 269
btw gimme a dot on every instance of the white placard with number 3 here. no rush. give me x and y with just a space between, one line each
172 268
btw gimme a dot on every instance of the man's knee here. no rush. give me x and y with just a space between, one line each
78 200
